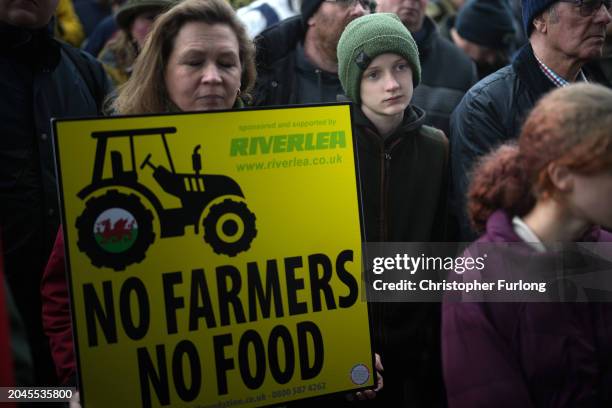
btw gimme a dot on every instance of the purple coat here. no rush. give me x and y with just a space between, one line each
527 354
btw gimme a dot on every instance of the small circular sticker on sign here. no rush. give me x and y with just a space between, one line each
360 374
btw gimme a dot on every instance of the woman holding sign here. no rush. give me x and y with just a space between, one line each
402 169
198 57
553 187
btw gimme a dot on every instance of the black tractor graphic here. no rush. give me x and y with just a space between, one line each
116 228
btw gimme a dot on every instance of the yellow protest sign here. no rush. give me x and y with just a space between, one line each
214 258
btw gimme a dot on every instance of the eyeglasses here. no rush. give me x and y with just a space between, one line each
366 4
590 7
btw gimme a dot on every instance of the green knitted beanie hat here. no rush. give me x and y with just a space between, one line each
367 37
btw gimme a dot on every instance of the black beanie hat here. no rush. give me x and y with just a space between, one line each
487 23
308 8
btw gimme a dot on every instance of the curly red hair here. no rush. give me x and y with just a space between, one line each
570 126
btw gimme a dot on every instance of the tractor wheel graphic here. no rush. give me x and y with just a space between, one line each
115 230
229 227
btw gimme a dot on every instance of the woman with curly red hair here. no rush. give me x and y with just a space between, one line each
553 186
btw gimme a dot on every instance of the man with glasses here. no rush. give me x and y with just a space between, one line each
296 59
564 36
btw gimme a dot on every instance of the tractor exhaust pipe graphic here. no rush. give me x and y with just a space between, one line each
196 160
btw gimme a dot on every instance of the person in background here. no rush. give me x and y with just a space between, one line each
40 78
447 72
484 30
378 65
135 19
68 26
262 14
563 37
296 58
553 186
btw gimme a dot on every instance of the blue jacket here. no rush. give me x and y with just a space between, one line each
491 113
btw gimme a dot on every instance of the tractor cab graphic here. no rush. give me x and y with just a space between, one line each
116 227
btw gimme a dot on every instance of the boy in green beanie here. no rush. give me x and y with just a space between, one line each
403 174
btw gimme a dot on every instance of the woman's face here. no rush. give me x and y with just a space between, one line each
203 71
591 198
386 85
141 26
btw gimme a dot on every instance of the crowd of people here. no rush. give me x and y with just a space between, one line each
473 122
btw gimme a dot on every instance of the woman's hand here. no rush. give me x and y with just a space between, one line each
371 394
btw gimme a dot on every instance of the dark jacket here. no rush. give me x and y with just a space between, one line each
527 354
284 74
490 114
275 61
447 74
38 80
402 179
403 189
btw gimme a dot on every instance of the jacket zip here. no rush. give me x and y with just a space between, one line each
384 167
384 188
385 164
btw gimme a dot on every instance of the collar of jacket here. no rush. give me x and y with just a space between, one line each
499 229
414 118
303 64
526 66
35 47
278 41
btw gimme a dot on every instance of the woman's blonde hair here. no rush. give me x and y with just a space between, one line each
145 91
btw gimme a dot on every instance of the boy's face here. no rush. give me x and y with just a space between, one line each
386 85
